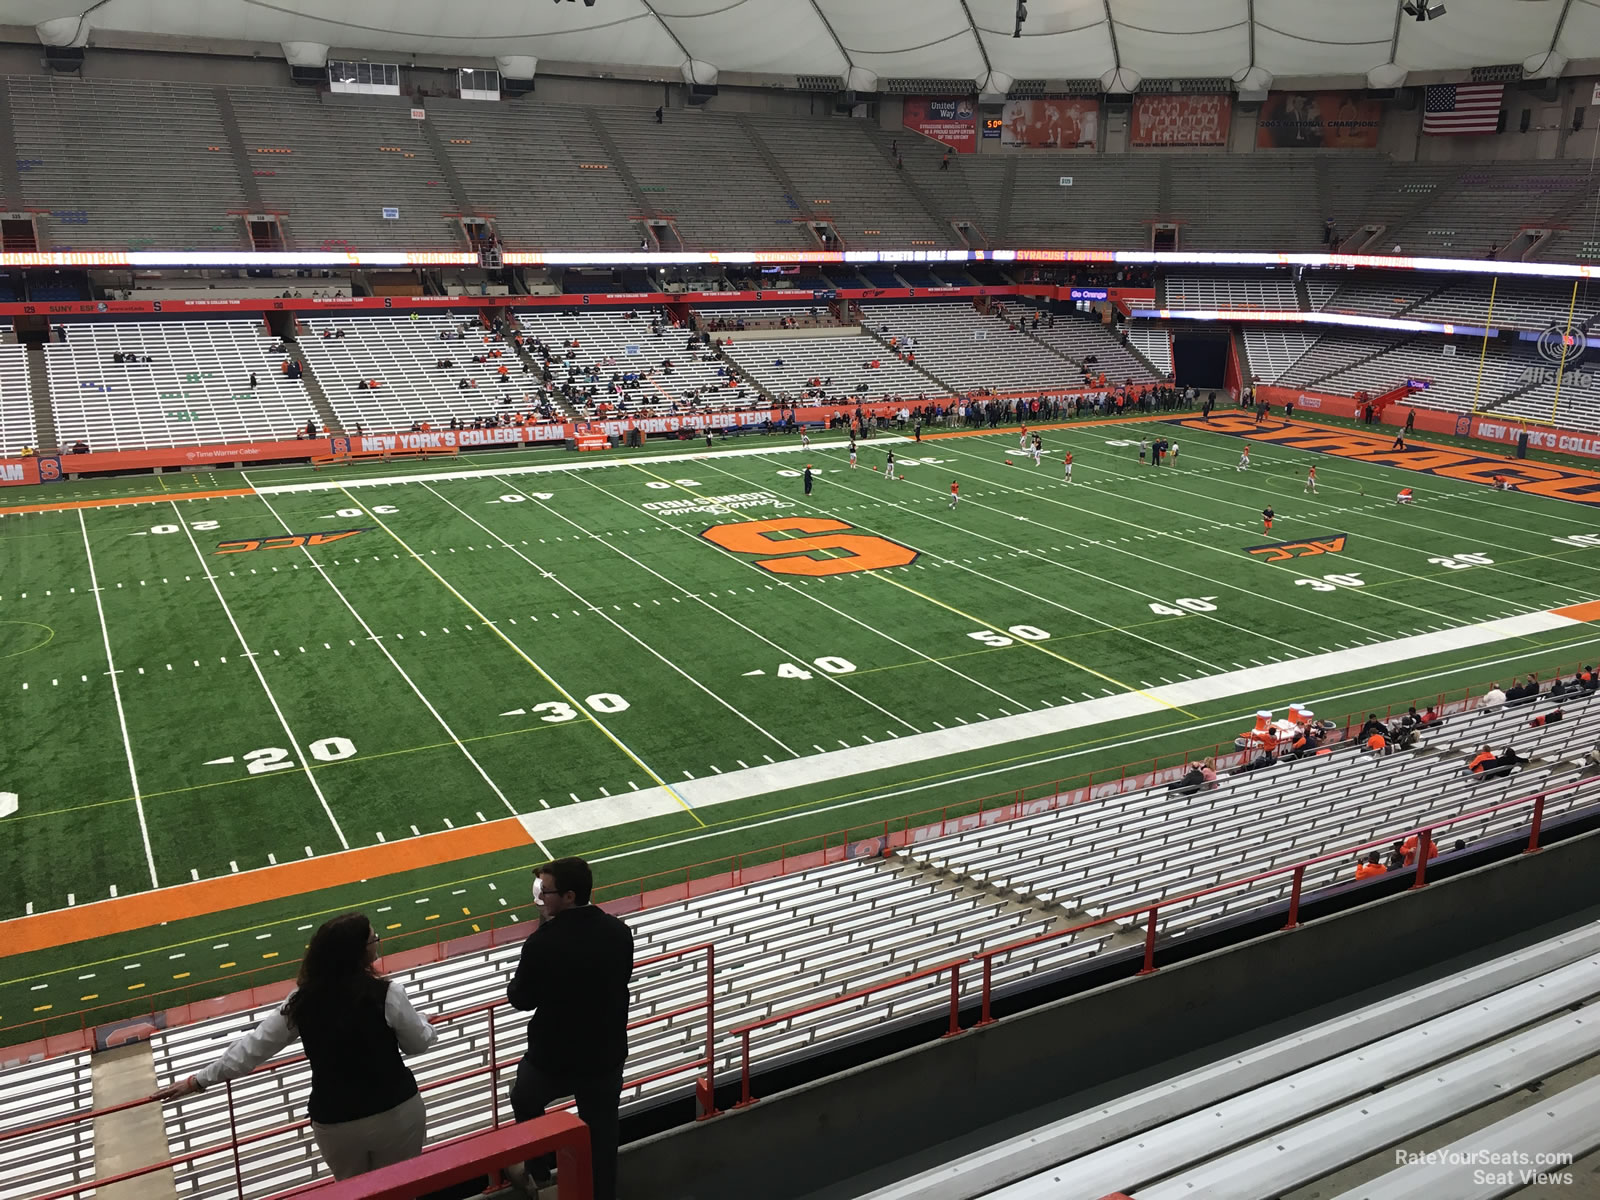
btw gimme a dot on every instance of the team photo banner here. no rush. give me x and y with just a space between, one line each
1051 124
1181 120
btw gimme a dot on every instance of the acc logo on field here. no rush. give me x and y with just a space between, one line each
285 541
1279 551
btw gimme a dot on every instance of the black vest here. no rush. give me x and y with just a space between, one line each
356 1068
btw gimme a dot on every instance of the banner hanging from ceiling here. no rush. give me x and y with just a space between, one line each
952 120
1051 124
1319 121
1181 120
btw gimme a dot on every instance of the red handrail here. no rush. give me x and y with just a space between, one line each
704 1088
985 958
475 1154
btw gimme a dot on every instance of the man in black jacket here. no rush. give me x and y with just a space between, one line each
573 974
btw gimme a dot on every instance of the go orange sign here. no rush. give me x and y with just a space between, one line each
797 555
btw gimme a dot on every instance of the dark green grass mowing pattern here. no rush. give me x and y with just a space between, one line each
610 598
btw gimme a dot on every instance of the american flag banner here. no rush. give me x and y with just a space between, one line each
1461 107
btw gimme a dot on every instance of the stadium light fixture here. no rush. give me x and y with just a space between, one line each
1422 10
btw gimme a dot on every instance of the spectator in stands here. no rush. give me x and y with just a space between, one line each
364 1106
1409 848
1397 857
659 114
1493 698
1431 716
79 447
1549 718
1505 762
1523 693
944 165
573 973
1587 680
1369 866
1370 727
1481 761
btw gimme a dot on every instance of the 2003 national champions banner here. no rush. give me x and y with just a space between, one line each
1319 121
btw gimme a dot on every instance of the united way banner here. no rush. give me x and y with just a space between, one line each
952 120
1051 124
1182 120
1319 121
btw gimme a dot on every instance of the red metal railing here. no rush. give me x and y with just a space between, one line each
704 1088
181 1006
474 1155
1148 915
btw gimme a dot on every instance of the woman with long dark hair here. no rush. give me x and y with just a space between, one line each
354 1024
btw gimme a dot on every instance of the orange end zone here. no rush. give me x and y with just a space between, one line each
143 909
1589 611
157 498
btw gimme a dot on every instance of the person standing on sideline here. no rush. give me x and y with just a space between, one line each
807 478
1173 451
888 467
1244 459
1143 446
852 454
1069 466
355 1025
805 440
1266 519
955 493
573 974
1311 479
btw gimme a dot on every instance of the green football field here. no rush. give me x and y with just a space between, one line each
671 656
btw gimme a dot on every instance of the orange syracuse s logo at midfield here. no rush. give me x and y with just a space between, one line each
863 551
286 541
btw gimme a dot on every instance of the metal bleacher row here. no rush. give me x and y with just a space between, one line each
791 941
1285 1113
785 367
967 349
1273 351
1253 292
620 344
195 391
1136 849
16 405
559 175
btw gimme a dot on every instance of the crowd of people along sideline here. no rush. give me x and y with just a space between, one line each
357 1027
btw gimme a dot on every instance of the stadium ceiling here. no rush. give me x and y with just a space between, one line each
867 42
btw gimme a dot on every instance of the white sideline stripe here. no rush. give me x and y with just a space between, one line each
840 764
333 485
116 693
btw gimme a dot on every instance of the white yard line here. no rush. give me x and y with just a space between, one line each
1105 626
250 656
662 787
794 591
1299 609
596 609
599 464
839 764
411 683
1410 525
116 692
